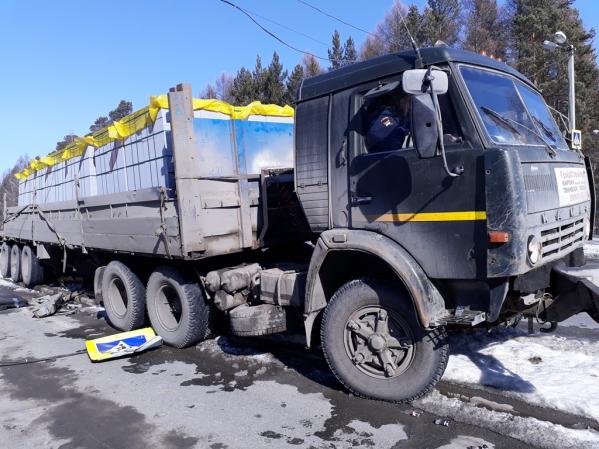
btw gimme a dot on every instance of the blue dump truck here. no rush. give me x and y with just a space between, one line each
403 197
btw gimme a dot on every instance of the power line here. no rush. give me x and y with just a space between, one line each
288 28
335 17
273 35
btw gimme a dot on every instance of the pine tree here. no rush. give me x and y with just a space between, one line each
441 22
242 89
66 140
485 28
350 55
335 52
258 76
123 108
273 82
292 84
100 123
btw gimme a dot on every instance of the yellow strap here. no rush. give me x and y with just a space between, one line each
431 216
143 118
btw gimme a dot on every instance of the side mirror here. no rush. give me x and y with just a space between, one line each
425 130
413 82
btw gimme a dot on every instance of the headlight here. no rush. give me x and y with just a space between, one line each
533 249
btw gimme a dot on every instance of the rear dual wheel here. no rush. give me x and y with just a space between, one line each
124 297
20 264
32 272
5 260
15 263
375 345
177 308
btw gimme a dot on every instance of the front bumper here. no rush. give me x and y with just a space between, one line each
578 291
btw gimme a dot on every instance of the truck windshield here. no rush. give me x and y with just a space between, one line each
542 117
512 113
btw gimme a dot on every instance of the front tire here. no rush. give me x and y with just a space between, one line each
374 344
177 308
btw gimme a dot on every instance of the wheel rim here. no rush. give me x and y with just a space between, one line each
169 307
118 297
379 342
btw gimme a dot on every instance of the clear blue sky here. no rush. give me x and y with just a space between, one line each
66 62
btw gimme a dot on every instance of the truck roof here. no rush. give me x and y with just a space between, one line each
386 65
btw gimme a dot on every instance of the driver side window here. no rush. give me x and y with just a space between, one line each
385 122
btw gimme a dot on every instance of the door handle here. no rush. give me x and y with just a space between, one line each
357 200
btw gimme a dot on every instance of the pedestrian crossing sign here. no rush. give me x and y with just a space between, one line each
576 139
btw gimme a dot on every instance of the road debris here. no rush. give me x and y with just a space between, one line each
62 303
123 344
47 305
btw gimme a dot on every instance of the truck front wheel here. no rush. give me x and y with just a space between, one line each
177 308
375 346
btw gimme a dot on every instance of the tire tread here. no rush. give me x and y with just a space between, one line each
440 369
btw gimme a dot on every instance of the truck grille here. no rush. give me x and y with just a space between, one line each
561 237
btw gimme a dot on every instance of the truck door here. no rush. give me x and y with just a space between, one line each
439 219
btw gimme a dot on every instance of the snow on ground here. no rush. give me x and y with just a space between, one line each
547 370
591 249
10 284
582 320
463 441
529 430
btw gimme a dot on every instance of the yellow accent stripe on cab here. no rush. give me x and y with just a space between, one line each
432 216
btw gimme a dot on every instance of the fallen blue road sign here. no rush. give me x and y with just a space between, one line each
123 344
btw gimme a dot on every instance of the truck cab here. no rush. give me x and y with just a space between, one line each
485 228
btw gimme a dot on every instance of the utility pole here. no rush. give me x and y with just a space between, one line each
560 42
571 89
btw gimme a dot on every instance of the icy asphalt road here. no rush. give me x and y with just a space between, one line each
506 389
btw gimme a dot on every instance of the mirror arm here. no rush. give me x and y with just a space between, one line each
428 82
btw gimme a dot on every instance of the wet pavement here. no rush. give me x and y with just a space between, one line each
223 393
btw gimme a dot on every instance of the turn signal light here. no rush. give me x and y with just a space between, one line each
499 237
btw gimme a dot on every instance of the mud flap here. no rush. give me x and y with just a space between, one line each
578 289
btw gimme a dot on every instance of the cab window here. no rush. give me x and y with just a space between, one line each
385 122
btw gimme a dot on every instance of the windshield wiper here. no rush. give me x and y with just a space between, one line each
509 123
546 130
501 119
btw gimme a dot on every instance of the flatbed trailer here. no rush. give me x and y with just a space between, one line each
191 211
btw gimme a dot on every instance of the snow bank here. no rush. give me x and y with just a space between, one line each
541 369
529 430
591 249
